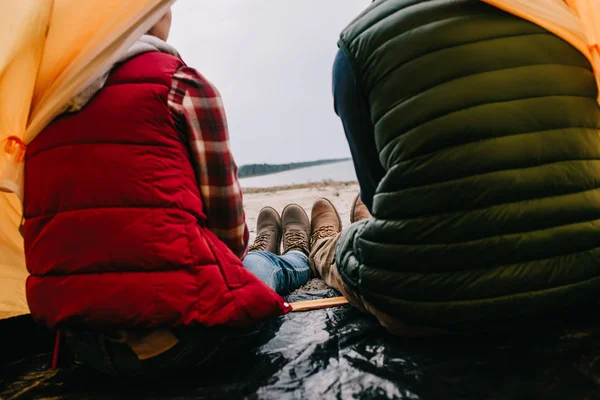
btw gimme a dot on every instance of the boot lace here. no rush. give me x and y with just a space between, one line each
323 232
261 242
295 240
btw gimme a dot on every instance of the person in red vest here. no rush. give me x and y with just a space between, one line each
134 227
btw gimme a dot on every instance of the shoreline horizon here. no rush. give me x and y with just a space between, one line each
295 186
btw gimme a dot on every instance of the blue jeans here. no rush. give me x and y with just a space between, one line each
197 346
353 109
283 274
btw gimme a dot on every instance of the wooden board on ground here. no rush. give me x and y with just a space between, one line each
318 304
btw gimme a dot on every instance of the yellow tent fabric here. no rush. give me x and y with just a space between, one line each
50 50
576 21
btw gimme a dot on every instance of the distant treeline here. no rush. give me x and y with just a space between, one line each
246 171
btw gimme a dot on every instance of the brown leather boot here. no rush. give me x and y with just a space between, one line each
359 211
268 231
296 229
325 220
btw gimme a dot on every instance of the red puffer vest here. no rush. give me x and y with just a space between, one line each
115 234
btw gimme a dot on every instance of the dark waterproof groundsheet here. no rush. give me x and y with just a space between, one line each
340 353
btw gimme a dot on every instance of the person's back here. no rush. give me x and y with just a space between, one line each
134 223
115 230
486 129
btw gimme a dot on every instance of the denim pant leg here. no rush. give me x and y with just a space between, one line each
353 109
283 274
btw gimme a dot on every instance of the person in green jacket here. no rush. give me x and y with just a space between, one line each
475 138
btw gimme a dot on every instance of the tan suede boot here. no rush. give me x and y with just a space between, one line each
325 220
268 231
296 229
359 211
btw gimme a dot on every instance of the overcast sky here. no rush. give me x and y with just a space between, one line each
271 60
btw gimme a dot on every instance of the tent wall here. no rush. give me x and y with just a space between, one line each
51 50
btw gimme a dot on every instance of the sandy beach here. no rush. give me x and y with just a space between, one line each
341 194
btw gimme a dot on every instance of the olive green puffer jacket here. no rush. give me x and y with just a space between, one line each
488 129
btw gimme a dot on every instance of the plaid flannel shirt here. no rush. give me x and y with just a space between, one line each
198 110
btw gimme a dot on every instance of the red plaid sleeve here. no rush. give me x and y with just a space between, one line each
198 110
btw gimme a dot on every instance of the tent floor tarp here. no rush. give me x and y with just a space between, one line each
337 353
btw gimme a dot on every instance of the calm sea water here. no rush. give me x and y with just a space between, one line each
340 171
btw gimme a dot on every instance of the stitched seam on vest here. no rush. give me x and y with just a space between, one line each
141 144
487 299
370 9
96 207
355 286
499 204
141 82
482 140
482 267
481 239
435 118
54 274
478 41
394 12
356 36
456 180
427 89
476 241
154 239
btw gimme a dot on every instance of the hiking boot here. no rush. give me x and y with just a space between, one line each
326 221
296 229
359 211
268 231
